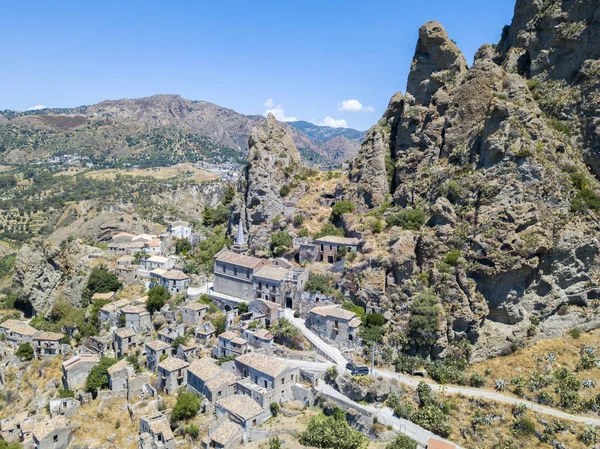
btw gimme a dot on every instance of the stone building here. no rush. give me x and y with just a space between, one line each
259 338
210 380
266 312
156 433
46 344
17 332
265 379
109 313
335 324
231 345
117 376
223 434
192 314
76 370
137 316
326 249
53 433
155 350
169 334
172 374
233 273
125 341
241 410
66 407
204 332
180 229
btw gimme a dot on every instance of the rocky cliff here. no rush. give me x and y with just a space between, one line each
273 161
510 247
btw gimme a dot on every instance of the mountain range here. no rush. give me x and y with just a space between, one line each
157 130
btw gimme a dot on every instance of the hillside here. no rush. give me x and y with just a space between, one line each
153 131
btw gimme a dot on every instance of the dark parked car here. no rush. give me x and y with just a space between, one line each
357 370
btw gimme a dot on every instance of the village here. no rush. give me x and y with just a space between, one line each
236 367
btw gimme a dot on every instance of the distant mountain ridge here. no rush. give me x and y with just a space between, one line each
157 130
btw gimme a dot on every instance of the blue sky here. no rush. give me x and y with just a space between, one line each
306 57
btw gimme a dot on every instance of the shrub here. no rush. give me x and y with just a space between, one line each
102 281
453 258
329 229
229 194
220 323
242 307
275 408
402 442
98 376
424 320
412 219
358 310
24 352
285 190
585 199
331 374
377 226
589 436
157 298
524 426
447 371
281 242
340 208
575 333
331 432
298 220
274 442
433 419
318 283
477 380
187 406
193 430
118 424
374 319
64 393
182 246
408 364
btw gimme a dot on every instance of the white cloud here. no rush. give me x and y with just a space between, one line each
354 106
334 123
277 111
37 107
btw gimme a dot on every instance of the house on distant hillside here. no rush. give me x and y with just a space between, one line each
231 345
47 344
208 379
172 374
17 332
155 351
335 324
156 433
241 410
326 249
192 314
54 433
137 316
180 229
125 341
204 332
109 313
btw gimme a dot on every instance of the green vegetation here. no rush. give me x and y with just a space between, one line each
412 219
331 432
281 242
6 265
274 442
98 376
329 229
101 281
298 220
24 352
359 310
275 408
424 321
182 246
285 190
318 283
229 195
220 323
64 393
402 442
187 406
206 249
340 208
242 308
157 298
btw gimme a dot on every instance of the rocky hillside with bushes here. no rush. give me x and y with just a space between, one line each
487 179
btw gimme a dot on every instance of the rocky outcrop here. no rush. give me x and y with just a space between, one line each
273 160
508 243
44 272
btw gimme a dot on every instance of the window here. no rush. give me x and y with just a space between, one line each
265 382
247 274
282 380
322 247
235 271
224 268
56 438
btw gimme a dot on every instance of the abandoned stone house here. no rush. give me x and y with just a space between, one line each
101 345
180 229
155 350
54 433
66 407
223 434
231 345
17 332
208 379
107 296
192 314
241 410
175 281
259 338
233 273
169 334
265 379
335 324
266 312
76 370
187 352
152 262
204 332
109 313
46 344
156 433
124 261
125 341
326 249
137 316
123 379
172 374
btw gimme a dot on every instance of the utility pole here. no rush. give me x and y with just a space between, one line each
373 359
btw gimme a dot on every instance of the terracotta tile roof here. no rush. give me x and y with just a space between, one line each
224 378
240 260
263 363
263 334
122 234
172 364
158 345
205 369
226 432
81 358
120 365
437 444
125 332
114 306
141 309
51 336
241 405
338 240
195 306
333 311
176 275
161 425
43 430
272 273
108 295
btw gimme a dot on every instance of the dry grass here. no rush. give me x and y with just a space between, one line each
187 170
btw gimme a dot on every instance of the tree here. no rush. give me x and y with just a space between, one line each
182 246
402 442
25 352
208 216
329 229
331 432
274 442
157 298
242 307
220 323
424 320
187 406
103 281
98 376
412 219
281 242
317 283
229 194
340 208
275 408
179 340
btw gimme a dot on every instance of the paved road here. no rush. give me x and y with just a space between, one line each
336 356
385 416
